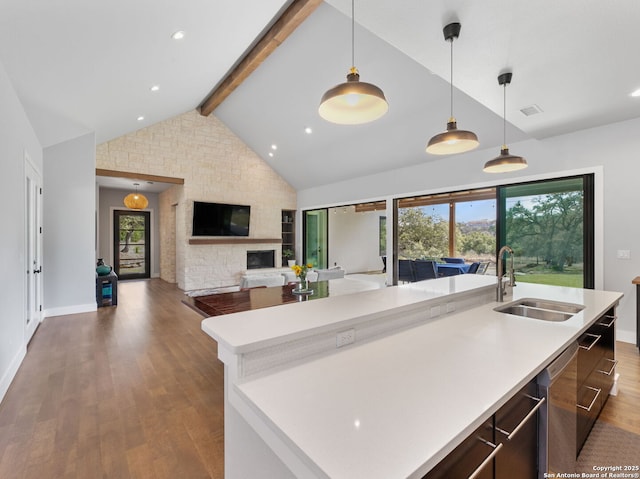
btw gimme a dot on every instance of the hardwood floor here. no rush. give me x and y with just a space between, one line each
133 391
136 391
623 410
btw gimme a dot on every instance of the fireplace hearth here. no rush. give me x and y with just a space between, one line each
261 259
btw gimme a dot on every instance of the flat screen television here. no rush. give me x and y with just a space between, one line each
216 219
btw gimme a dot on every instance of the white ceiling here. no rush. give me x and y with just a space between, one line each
81 66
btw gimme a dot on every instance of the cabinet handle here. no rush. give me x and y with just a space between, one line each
598 391
612 319
487 459
613 367
597 338
534 409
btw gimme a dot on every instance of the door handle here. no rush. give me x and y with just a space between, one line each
39 270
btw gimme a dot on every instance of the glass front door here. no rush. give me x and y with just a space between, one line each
131 244
316 238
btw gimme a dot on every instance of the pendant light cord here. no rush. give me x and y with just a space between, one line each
353 34
451 77
504 115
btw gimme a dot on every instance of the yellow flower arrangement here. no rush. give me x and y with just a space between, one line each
301 270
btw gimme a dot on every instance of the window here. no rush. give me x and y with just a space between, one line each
549 225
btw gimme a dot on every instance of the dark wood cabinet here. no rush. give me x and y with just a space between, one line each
473 454
504 447
516 428
596 373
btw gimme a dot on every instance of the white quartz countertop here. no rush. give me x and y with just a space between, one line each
250 330
395 406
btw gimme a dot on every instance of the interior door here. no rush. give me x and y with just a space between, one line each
132 244
33 266
316 238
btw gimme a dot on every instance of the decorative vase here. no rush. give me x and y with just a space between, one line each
291 262
303 285
102 269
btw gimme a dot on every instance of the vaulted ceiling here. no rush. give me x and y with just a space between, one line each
82 66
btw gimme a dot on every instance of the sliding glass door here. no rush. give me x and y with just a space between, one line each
316 237
549 225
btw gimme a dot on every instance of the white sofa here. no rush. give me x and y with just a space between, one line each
316 275
257 280
330 273
290 277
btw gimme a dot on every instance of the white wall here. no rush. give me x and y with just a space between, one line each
354 240
111 199
17 137
69 227
615 148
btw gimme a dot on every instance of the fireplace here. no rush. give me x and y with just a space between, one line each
261 259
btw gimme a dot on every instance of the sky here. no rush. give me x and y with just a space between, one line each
466 211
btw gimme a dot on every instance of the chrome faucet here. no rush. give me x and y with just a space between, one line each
500 292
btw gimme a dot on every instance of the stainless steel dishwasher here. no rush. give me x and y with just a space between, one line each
557 432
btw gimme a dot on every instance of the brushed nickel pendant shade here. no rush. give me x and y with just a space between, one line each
505 161
353 102
136 201
452 140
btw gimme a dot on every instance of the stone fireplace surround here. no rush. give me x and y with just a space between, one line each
223 262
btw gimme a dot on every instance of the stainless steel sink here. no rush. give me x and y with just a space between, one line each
542 309
551 305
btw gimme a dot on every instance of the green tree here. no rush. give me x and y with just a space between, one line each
420 235
131 230
477 242
550 229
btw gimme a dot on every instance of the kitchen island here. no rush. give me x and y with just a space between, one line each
430 362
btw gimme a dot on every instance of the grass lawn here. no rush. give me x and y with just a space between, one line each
556 279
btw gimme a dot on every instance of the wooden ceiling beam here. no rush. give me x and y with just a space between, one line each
290 19
139 176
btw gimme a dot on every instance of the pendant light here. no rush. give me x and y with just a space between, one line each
452 140
353 102
505 162
136 201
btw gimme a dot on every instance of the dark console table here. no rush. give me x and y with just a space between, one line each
107 289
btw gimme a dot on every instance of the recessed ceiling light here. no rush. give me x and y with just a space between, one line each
140 118
271 154
274 147
308 130
179 35
155 88
636 93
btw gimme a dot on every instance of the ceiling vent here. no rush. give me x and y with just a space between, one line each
531 110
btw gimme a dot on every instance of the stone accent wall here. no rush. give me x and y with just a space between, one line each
216 166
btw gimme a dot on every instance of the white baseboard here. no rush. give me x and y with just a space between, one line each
75 309
11 371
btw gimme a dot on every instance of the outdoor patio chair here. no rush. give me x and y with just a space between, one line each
406 271
482 268
425 269
473 269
